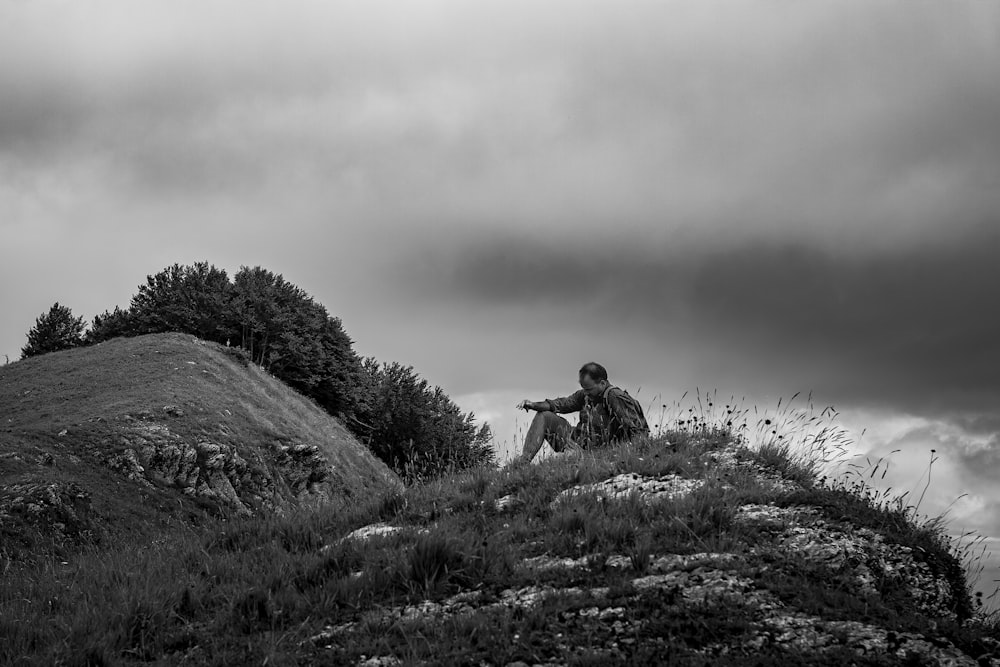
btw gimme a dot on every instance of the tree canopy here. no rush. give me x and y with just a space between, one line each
55 330
417 430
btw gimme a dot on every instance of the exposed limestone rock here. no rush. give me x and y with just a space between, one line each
380 661
462 603
58 509
736 459
661 564
127 464
775 624
772 516
303 465
649 489
814 634
859 551
370 531
154 455
700 585
726 461
374 530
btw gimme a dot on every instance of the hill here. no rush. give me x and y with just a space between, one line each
690 548
138 433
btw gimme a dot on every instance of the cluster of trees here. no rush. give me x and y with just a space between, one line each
417 429
414 428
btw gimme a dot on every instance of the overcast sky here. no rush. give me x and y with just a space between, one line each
757 197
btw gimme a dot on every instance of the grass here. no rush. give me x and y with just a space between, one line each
67 413
290 590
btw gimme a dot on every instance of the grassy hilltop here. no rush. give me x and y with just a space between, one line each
135 434
690 548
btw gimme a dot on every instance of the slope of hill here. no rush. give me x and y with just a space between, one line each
136 433
687 549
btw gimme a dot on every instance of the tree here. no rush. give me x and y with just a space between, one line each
416 430
109 325
285 331
54 330
193 299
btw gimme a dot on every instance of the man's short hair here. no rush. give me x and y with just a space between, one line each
595 371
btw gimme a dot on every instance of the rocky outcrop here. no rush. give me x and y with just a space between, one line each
683 582
861 553
57 510
302 466
241 479
786 536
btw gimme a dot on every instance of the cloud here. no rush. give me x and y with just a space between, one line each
909 329
513 112
721 164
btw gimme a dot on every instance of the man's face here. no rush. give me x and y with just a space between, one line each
591 388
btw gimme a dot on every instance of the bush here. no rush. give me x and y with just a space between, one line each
416 430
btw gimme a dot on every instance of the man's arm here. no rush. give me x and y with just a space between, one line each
572 403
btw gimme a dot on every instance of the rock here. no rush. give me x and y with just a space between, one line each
667 563
380 661
155 455
649 489
56 508
508 503
860 551
373 530
127 463
302 465
173 410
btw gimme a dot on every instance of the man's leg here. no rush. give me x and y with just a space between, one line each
547 427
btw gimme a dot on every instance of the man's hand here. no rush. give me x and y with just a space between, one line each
525 405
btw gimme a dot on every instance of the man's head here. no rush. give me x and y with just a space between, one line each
593 379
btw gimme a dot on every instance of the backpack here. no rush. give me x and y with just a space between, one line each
628 420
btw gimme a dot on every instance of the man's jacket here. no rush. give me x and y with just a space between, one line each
612 417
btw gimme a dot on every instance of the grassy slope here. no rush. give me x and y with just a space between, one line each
291 590
62 413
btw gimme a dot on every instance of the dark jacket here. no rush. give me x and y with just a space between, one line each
614 416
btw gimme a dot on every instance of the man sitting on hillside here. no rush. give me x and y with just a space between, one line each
607 414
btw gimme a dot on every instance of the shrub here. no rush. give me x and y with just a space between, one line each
417 430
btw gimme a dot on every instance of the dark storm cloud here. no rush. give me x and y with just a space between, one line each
911 329
340 139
